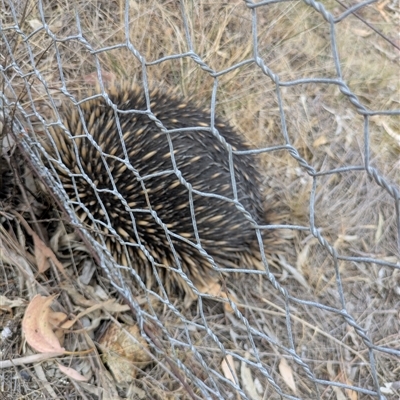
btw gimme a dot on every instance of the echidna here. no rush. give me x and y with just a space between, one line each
119 166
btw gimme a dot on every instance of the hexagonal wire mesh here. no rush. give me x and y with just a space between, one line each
327 325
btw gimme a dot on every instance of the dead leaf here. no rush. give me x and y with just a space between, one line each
6 302
247 381
287 374
35 24
59 323
42 252
320 141
333 376
71 373
362 32
390 387
352 394
60 320
37 327
124 351
339 394
41 260
215 289
228 368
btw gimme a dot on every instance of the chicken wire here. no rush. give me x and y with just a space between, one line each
216 385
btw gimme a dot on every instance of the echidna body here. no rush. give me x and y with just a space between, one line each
119 165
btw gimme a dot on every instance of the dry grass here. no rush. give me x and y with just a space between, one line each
353 213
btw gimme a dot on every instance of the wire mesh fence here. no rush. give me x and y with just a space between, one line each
313 88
